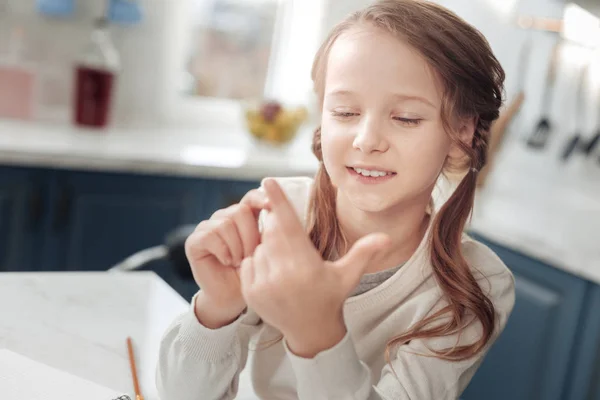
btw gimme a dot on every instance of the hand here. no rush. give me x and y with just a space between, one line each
287 283
215 250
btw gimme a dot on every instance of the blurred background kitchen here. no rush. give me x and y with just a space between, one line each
125 122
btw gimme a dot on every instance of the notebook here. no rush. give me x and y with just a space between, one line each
22 378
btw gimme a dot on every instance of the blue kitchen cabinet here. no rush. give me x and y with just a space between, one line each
591 343
584 377
23 203
98 219
531 359
590 346
225 193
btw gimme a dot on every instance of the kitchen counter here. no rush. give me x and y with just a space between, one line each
211 151
545 209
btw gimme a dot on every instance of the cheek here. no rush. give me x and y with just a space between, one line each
428 155
332 156
334 144
441 148
432 150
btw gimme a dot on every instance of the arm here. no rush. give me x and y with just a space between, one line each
204 350
338 373
199 363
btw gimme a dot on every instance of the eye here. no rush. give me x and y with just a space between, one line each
408 121
343 114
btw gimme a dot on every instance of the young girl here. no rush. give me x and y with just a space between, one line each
354 285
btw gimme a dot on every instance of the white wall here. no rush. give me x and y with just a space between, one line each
153 56
50 46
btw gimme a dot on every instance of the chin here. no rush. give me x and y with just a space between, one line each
370 202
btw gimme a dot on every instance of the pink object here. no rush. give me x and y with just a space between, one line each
16 92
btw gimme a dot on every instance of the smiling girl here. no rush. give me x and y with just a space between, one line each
354 285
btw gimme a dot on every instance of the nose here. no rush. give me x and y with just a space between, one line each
369 136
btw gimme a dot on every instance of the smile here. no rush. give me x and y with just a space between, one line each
370 175
372 172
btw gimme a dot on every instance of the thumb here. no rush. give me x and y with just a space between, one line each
352 265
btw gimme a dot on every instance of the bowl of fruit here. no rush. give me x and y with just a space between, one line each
273 123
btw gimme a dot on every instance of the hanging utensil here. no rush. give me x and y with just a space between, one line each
540 136
522 69
591 146
500 126
577 141
540 24
497 132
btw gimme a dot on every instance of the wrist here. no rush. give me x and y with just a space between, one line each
310 343
213 315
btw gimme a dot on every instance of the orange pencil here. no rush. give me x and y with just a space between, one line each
136 385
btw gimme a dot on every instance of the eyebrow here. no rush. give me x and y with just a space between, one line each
399 96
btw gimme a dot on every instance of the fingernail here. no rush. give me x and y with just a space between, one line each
269 182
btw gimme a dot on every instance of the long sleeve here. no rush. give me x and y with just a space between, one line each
338 373
197 363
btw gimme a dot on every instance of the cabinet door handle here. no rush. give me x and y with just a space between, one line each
63 209
36 207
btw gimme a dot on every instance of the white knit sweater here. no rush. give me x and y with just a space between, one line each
197 363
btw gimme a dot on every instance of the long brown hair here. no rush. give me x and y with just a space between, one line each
473 88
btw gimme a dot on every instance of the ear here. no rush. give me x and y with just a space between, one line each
466 131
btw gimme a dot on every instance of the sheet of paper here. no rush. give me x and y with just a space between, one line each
22 378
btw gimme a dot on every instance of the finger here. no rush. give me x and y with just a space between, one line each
228 232
246 273
352 266
261 264
256 200
280 206
247 227
201 243
223 213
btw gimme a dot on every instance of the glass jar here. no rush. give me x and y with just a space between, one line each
96 71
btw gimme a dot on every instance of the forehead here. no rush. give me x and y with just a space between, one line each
366 57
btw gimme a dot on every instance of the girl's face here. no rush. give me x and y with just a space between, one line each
383 141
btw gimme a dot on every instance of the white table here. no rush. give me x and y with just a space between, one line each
79 321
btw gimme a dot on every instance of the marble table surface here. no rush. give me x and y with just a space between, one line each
78 322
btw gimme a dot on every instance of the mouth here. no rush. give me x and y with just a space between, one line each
371 174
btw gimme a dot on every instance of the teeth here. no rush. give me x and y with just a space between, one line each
366 172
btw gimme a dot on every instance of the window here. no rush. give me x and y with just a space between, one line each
223 51
232 42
